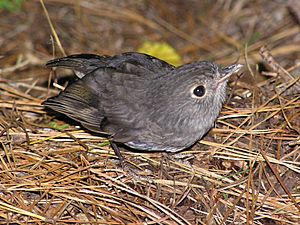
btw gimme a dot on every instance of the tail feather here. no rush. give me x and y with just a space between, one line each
130 62
82 64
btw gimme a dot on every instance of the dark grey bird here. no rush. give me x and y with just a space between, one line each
142 101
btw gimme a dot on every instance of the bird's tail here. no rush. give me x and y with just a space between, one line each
82 64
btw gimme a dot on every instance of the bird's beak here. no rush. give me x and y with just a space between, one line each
228 71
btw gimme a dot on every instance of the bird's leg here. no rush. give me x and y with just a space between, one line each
118 153
122 160
124 164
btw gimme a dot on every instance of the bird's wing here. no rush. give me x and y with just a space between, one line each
105 100
79 101
125 103
145 61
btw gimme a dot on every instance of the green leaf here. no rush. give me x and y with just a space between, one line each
11 5
104 143
57 126
162 51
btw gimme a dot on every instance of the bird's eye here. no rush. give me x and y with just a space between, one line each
198 91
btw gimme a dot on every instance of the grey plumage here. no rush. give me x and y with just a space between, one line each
142 101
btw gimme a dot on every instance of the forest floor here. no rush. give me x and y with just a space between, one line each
245 171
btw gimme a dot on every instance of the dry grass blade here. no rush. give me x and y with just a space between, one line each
52 28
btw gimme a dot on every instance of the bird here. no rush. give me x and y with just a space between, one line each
141 101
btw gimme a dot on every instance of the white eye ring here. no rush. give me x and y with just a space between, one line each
198 91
